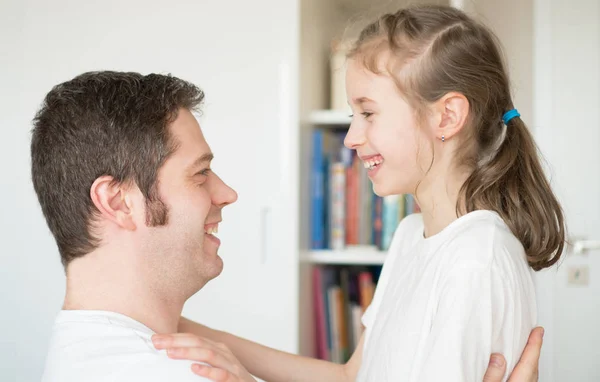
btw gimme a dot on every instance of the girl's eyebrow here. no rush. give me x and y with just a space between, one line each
361 100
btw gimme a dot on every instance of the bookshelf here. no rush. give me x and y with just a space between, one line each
336 278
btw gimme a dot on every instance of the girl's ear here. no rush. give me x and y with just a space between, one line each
451 112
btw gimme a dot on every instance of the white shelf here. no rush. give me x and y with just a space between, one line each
330 117
351 256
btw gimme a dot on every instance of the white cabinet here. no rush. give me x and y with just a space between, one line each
247 60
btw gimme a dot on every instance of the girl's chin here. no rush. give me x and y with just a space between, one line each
382 189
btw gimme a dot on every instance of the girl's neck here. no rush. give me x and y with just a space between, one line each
438 195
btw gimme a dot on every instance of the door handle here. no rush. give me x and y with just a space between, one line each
580 247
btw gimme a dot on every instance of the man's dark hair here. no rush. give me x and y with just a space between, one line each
103 123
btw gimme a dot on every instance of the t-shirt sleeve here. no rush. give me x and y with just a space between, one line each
460 341
162 368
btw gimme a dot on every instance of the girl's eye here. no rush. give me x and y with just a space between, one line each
364 114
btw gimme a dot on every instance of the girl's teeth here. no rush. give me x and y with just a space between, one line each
369 164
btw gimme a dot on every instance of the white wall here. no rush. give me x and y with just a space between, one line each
31 282
249 75
515 31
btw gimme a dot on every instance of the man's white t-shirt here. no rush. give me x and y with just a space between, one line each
443 304
100 346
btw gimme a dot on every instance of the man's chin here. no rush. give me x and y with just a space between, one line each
214 267
219 267
206 275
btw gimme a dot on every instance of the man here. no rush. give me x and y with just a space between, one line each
122 173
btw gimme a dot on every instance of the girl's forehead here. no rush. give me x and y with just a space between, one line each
364 85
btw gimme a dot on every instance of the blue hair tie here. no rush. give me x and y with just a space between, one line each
510 115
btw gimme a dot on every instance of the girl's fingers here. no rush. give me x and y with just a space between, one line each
214 374
179 340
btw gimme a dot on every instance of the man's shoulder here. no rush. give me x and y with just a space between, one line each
98 347
118 359
159 368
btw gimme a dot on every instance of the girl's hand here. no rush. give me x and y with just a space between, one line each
222 366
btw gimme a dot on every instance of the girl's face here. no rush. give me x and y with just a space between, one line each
385 133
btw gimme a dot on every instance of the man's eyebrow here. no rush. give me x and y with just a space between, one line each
201 160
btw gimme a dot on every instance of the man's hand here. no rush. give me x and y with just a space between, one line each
220 364
527 368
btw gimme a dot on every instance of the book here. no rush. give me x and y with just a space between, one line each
343 207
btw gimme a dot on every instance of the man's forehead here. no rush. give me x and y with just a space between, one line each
187 130
191 148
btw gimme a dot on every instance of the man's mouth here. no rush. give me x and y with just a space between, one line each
211 229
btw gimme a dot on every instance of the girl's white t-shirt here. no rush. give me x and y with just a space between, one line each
443 304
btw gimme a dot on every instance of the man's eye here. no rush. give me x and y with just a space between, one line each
204 172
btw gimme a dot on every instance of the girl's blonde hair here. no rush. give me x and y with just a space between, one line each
434 50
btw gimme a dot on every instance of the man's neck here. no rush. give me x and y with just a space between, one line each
102 281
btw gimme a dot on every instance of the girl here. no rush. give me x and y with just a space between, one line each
433 116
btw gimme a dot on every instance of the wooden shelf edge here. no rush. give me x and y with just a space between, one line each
330 117
351 256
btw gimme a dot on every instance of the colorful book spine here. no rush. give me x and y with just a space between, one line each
352 204
341 296
365 207
377 220
391 217
337 206
317 193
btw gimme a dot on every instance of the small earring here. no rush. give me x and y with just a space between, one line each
443 138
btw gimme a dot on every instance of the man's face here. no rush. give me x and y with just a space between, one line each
183 253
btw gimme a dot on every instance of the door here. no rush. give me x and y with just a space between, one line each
567 128
249 74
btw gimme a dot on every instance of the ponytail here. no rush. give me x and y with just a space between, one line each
514 185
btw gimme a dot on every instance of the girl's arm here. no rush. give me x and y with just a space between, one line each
274 365
260 360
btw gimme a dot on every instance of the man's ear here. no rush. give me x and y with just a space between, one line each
113 202
451 112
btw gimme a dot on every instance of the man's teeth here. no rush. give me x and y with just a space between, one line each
212 230
371 163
